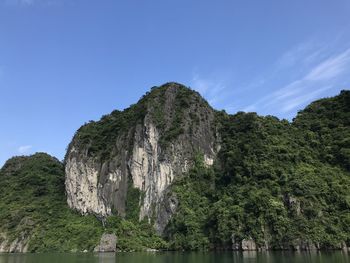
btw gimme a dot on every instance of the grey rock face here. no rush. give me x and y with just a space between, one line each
148 162
307 245
293 204
248 244
243 245
166 209
19 245
108 243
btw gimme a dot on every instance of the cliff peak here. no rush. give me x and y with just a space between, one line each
128 159
172 92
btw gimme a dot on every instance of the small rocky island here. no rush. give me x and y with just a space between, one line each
172 173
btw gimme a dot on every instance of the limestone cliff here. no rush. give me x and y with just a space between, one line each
124 163
275 185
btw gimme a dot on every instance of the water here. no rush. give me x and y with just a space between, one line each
177 257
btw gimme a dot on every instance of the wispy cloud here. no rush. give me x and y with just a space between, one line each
322 73
285 72
331 67
298 76
212 89
301 99
304 52
24 149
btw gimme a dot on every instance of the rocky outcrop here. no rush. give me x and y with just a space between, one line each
247 244
82 186
306 245
19 242
293 204
148 155
166 210
108 243
18 245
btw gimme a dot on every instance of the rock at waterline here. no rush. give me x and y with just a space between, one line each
108 243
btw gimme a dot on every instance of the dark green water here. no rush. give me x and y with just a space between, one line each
169 257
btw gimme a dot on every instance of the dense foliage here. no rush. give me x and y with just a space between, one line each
99 137
33 204
327 122
276 182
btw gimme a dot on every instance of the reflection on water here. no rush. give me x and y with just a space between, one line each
178 257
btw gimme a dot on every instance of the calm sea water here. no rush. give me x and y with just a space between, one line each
175 257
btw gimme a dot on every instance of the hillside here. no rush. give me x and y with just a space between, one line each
36 218
199 178
269 189
124 163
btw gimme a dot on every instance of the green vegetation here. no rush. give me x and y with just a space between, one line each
278 183
99 137
327 122
176 127
134 236
33 204
171 118
188 229
275 182
132 205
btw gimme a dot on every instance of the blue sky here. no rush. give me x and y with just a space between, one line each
65 62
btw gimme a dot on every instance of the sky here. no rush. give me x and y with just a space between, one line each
65 62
